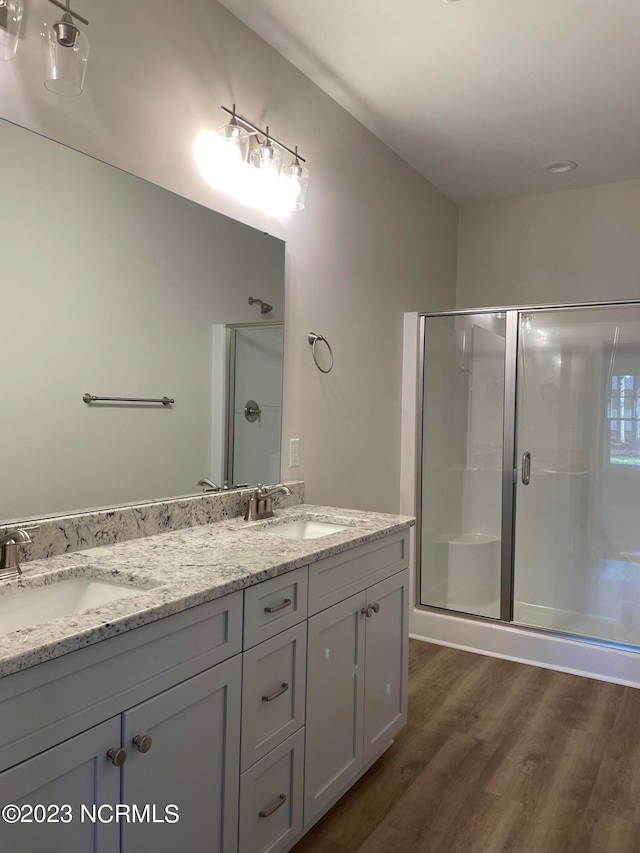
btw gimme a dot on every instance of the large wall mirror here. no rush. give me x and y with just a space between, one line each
114 287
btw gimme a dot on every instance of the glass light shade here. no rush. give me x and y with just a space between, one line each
68 52
10 21
296 178
267 159
236 138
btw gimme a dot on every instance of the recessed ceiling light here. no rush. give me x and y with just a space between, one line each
559 166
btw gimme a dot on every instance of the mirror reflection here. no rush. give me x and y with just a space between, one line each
114 287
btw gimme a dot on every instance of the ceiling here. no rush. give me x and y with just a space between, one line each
477 95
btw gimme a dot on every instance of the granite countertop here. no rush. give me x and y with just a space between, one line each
176 571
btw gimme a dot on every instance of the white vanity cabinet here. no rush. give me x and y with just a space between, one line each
243 719
178 747
357 667
190 763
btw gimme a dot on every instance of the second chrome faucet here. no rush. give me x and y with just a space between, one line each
259 505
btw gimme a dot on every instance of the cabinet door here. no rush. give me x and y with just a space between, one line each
335 694
76 773
192 764
386 663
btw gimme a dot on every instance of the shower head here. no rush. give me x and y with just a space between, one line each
265 308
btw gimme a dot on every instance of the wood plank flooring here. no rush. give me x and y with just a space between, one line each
497 756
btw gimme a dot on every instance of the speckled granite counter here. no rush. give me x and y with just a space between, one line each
178 570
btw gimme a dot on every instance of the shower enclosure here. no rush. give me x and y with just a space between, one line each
530 468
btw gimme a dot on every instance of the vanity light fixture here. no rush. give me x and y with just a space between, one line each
10 21
267 158
67 52
236 137
249 165
297 177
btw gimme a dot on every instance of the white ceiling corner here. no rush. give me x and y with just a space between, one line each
477 95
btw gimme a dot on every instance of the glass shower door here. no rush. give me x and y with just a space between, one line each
255 404
577 530
462 482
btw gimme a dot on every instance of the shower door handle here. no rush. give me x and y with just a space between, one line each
526 468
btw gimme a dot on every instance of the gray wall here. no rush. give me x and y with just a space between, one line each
376 239
572 246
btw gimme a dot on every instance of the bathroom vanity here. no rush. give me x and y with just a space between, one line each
250 675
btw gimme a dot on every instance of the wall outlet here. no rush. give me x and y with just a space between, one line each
294 452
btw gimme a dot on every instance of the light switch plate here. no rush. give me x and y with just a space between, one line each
294 452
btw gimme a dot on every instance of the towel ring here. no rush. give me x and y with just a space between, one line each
313 340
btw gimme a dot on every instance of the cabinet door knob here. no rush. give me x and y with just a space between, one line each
142 742
367 611
376 607
282 799
117 756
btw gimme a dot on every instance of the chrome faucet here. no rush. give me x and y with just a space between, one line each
9 563
208 485
259 503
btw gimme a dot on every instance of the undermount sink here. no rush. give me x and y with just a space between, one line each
305 528
24 608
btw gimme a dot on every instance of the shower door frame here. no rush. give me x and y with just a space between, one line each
509 463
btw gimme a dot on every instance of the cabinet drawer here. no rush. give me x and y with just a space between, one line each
273 692
271 799
274 605
336 578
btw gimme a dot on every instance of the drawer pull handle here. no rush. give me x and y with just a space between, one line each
283 689
282 799
277 607
117 756
142 743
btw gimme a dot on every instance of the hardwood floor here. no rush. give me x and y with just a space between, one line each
497 756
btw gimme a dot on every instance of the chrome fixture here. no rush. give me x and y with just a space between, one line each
9 557
285 188
265 308
298 177
276 608
314 340
208 485
252 411
266 157
10 22
259 503
269 697
282 799
142 743
117 756
91 398
68 52
559 167
236 137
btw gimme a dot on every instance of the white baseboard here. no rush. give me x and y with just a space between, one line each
589 659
